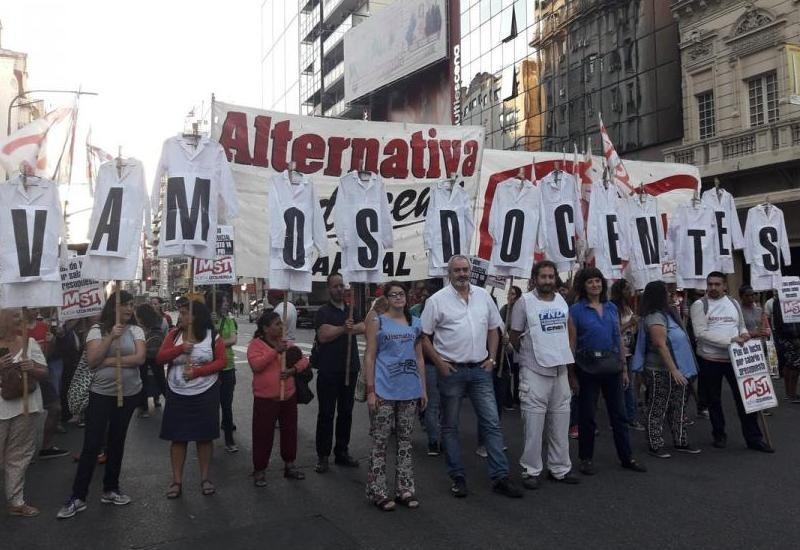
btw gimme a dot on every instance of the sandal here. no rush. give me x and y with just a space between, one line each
384 505
207 488
174 490
408 500
291 472
23 511
260 478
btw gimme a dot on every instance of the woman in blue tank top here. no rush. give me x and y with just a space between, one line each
395 373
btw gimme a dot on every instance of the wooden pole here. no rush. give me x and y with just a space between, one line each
190 331
26 407
766 427
507 320
349 343
283 355
118 351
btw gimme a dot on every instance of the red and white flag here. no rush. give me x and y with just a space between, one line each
618 172
26 147
95 156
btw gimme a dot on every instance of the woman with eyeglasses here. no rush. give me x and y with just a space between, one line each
106 422
395 372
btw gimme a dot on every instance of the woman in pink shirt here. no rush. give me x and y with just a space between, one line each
264 356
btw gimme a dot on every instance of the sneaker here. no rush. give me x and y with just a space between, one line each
688 449
506 487
481 451
52 452
433 449
70 508
636 426
761 447
459 488
720 442
346 460
795 400
573 432
531 483
587 468
659 453
144 413
634 466
509 408
703 414
60 428
322 465
115 497
232 448
569 478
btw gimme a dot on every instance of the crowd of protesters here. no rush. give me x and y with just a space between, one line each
552 351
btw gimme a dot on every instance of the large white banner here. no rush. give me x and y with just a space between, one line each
671 184
400 39
222 269
409 157
82 297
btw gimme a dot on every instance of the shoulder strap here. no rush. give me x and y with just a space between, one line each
738 308
705 305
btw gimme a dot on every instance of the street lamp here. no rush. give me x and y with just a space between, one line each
23 94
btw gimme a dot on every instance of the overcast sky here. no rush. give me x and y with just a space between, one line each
150 61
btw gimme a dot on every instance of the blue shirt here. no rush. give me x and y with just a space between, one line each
396 375
593 332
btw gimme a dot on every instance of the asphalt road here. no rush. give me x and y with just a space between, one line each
732 498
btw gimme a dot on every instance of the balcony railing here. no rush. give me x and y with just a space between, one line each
338 34
740 146
768 144
336 109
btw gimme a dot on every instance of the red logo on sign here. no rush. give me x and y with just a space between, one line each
76 298
756 387
215 267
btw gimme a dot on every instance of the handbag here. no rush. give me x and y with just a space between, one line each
302 379
78 392
599 362
11 385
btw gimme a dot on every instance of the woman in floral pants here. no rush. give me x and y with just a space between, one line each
395 373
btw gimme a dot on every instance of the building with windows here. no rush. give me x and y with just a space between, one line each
302 54
537 73
741 101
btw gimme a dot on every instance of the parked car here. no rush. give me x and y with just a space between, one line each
256 309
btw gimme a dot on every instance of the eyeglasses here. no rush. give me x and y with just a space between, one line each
396 295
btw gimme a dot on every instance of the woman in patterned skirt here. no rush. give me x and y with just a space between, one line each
395 373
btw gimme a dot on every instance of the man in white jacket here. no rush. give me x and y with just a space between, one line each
718 322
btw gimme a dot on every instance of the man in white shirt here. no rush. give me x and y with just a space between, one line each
463 320
275 299
718 322
539 334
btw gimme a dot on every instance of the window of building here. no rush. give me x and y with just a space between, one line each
508 24
629 54
591 65
632 97
616 100
614 62
705 112
762 93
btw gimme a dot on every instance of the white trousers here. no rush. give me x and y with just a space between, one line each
545 413
16 451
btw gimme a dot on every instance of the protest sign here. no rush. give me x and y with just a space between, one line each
789 296
222 269
752 376
82 297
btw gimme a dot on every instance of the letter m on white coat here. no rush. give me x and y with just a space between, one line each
182 221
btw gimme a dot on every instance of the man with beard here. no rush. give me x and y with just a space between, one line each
463 321
718 322
539 334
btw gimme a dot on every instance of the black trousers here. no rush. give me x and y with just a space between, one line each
335 400
228 384
160 379
711 375
590 388
106 425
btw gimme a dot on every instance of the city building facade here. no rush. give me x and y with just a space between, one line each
741 102
538 73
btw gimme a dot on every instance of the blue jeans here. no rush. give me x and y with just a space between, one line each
476 384
630 395
431 416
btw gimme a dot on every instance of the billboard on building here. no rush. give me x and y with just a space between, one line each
402 38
